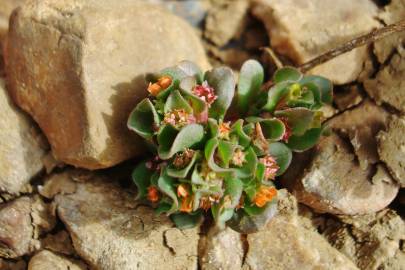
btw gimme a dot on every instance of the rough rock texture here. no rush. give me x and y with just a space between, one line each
20 146
391 147
16 231
221 249
286 244
12 265
361 126
372 241
6 7
111 231
43 216
77 67
59 243
347 97
329 179
57 183
389 86
46 260
303 29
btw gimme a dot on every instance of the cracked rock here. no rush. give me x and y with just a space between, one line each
103 218
372 241
43 216
59 243
329 179
221 249
303 29
46 260
391 147
81 93
285 244
20 147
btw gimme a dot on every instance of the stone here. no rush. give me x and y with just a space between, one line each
329 179
57 183
59 243
391 147
46 260
78 68
20 146
360 126
302 30
221 249
348 97
286 244
226 20
103 218
6 7
12 265
43 216
388 86
372 241
16 231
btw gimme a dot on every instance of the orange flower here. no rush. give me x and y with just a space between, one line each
205 203
224 130
264 195
163 82
153 194
182 191
186 204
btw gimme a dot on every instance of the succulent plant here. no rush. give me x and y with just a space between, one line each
203 160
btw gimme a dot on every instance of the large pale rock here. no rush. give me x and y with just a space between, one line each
391 148
20 146
388 86
111 231
304 29
46 260
372 241
286 244
221 249
330 180
77 67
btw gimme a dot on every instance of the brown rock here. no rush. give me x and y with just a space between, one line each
16 232
391 147
77 67
221 249
304 29
348 97
330 180
46 260
389 86
6 7
286 244
57 183
372 241
59 243
103 218
43 216
12 265
20 147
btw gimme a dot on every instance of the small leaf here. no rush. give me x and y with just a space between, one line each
233 188
166 185
237 129
249 167
275 94
288 74
306 141
182 173
171 140
176 101
272 128
225 152
187 221
221 214
223 82
282 154
299 119
209 152
325 86
250 80
141 178
143 119
191 69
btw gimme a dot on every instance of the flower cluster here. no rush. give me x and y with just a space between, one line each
203 162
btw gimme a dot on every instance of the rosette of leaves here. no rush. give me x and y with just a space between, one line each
203 163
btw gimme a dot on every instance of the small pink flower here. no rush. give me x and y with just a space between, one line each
238 157
205 92
179 118
271 167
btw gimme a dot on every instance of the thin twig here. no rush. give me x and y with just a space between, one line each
354 43
273 56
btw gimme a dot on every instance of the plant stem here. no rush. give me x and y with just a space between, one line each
373 36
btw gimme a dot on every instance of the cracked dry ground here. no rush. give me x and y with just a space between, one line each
341 204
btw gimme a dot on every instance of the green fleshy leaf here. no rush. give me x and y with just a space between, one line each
299 119
237 128
176 74
275 94
182 173
225 152
187 84
171 140
260 171
196 177
223 82
191 69
213 128
325 86
289 74
273 129
141 178
187 221
143 119
233 188
221 214
176 101
306 141
248 169
209 153
282 154
250 80
312 87
166 185
163 207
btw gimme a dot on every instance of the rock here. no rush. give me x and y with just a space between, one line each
20 147
392 13
81 93
286 244
348 97
221 249
302 30
388 85
16 231
103 218
391 147
6 7
12 265
361 126
46 260
372 241
57 183
43 216
59 243
329 179
225 20
50 163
